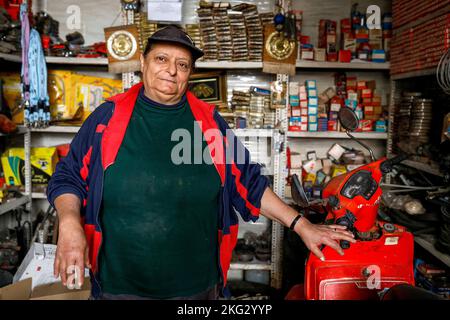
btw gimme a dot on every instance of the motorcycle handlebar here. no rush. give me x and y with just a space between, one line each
386 166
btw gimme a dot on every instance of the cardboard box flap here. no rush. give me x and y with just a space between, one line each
56 291
18 291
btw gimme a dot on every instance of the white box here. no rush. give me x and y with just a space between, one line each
296 161
313 101
335 107
312 93
38 265
164 11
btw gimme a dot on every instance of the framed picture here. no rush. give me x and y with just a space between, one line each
210 87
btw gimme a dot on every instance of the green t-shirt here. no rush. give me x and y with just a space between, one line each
159 219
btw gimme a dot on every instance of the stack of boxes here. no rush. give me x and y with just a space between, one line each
335 106
387 34
313 105
328 39
313 111
250 109
298 102
240 104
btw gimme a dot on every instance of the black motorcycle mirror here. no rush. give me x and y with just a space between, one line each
350 122
298 193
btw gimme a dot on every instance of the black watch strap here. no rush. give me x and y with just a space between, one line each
294 222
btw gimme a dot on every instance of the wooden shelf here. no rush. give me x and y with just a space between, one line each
337 135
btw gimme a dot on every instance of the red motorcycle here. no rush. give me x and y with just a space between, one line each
381 258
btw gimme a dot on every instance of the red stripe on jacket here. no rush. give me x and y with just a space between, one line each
227 244
84 171
93 239
243 191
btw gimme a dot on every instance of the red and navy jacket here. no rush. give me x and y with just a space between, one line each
95 148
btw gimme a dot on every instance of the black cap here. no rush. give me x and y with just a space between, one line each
175 34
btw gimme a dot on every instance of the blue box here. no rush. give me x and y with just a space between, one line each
311 84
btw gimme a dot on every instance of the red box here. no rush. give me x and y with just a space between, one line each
332 56
368 111
345 55
332 125
361 85
296 111
366 93
305 39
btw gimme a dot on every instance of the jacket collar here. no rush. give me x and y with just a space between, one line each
124 104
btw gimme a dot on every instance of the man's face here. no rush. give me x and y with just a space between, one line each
165 71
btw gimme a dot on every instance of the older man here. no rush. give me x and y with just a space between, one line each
147 226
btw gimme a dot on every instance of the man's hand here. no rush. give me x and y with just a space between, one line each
314 236
72 251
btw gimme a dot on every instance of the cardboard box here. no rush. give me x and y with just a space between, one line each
375 33
312 93
350 44
377 110
22 290
366 93
34 279
43 164
345 56
296 112
12 94
313 101
311 84
320 54
361 85
74 96
307 54
351 82
376 44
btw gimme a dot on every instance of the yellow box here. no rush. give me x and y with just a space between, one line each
60 84
12 93
337 170
90 92
43 164
74 96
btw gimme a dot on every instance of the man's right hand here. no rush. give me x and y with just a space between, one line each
72 251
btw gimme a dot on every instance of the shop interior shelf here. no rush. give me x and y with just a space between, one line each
337 135
13 204
20 130
427 242
423 167
413 74
75 129
252 265
221 64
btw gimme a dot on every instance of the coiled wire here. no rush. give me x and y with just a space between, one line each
443 72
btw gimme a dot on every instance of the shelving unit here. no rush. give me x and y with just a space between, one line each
13 204
338 135
280 137
301 64
423 167
252 265
427 242
26 199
